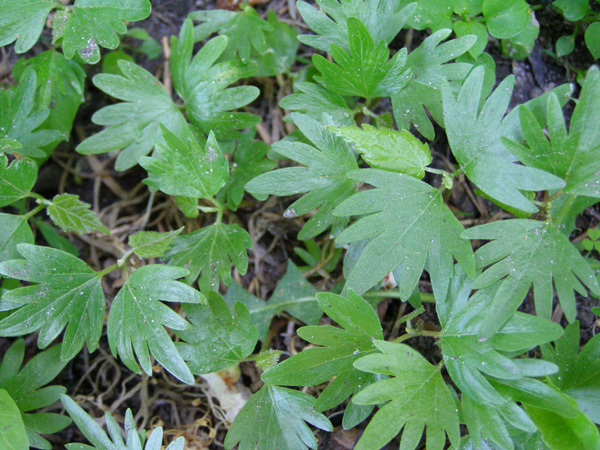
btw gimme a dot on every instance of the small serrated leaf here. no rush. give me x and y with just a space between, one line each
71 214
16 180
152 244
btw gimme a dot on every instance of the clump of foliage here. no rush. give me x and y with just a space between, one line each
362 177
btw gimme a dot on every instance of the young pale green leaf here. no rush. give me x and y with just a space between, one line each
137 319
202 84
15 231
281 48
26 387
96 435
71 214
273 419
383 19
366 71
314 100
475 140
209 252
524 253
134 125
13 435
245 29
579 372
23 21
16 180
505 18
339 349
293 295
68 293
152 244
383 148
417 396
90 24
429 65
573 155
324 178
410 229
216 339
184 168
19 118
249 161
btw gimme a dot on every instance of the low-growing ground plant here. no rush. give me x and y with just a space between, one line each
378 140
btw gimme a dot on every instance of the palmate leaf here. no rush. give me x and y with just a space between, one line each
68 293
324 178
151 244
209 252
281 48
417 396
202 83
137 319
216 340
19 120
429 64
27 387
524 253
293 294
339 349
365 71
23 21
16 180
475 140
396 151
469 358
383 18
15 231
410 228
71 214
573 155
273 419
183 167
114 441
244 29
134 125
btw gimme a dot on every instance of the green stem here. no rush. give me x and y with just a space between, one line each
219 209
123 260
108 270
33 212
412 315
426 297
564 210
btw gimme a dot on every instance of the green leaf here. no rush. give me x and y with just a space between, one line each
410 229
592 39
579 372
337 352
202 84
249 161
571 155
184 168
16 180
324 179
216 339
475 28
383 19
396 151
293 295
12 433
565 45
68 294
71 214
23 21
366 70
273 419
19 119
134 125
15 231
209 252
475 140
53 237
244 29
152 244
505 18
429 65
281 48
521 45
417 396
573 10
89 24
434 14
27 387
137 319
485 425
524 253
96 435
